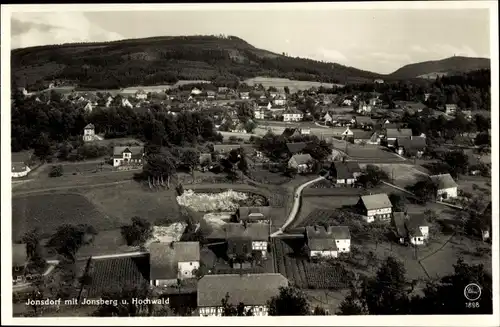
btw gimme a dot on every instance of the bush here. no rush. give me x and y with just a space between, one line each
56 171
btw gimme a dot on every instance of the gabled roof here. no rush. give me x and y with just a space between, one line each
360 134
341 170
135 150
250 289
239 246
164 257
336 232
364 120
399 219
89 126
226 147
443 181
353 166
395 133
322 244
288 132
255 232
301 159
376 201
415 143
296 147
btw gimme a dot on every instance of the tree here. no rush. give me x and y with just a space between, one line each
68 239
158 167
228 309
56 171
446 296
385 294
398 202
425 190
250 126
286 89
289 302
138 232
483 139
191 158
458 162
36 262
42 147
430 215
245 112
319 311
372 176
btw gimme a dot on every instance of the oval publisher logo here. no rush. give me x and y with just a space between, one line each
472 292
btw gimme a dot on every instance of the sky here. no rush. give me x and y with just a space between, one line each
375 40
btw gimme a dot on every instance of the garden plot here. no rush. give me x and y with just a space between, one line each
403 174
217 220
211 202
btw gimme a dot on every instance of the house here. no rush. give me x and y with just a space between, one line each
292 115
205 161
364 121
170 261
328 118
341 173
347 102
89 133
20 164
239 128
254 214
280 100
392 134
327 241
378 81
291 132
256 234
413 147
296 147
253 290
141 95
128 155
19 260
446 187
195 91
375 206
450 109
126 103
301 162
259 114
265 105
88 107
211 95
413 229
347 134
244 95
362 136
426 96
365 108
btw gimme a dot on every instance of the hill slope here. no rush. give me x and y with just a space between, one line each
163 60
430 69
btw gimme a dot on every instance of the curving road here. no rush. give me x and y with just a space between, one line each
296 205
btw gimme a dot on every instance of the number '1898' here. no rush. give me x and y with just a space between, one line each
472 305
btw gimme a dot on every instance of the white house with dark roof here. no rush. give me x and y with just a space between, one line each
450 108
327 241
253 290
392 134
257 235
89 133
128 155
301 162
376 206
254 214
141 95
170 261
292 115
413 229
446 187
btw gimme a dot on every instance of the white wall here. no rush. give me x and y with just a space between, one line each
163 282
332 254
384 213
451 192
343 246
257 310
185 269
21 173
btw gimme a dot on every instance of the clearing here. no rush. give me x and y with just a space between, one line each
400 174
293 85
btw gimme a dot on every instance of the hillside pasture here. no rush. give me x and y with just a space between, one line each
403 174
293 85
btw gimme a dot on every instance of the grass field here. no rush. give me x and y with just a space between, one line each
403 174
48 211
357 151
124 201
293 85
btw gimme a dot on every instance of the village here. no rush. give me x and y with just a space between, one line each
309 188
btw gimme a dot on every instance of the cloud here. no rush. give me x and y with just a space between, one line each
330 55
33 29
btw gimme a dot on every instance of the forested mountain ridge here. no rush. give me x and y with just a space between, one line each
449 66
165 60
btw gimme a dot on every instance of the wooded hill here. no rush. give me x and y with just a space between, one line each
165 60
